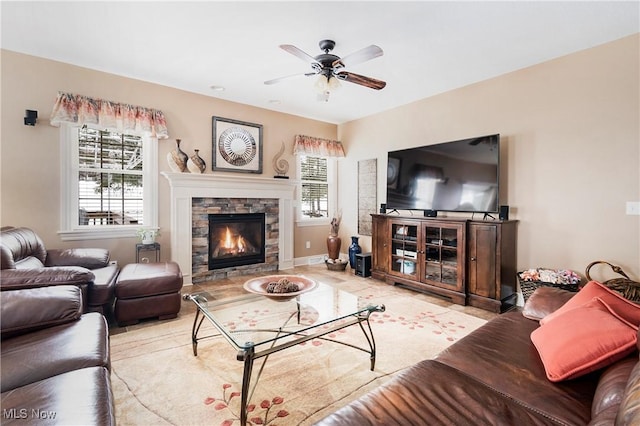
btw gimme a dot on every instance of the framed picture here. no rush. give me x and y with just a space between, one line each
237 146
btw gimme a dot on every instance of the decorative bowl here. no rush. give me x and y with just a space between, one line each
259 286
336 266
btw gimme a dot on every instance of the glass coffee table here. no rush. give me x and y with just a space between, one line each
258 326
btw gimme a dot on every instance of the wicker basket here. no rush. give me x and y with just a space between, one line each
528 286
627 287
336 266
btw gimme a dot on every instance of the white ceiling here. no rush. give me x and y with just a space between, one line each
429 47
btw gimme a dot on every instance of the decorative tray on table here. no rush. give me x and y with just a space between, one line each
280 287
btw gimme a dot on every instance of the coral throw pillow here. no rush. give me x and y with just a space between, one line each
626 309
584 339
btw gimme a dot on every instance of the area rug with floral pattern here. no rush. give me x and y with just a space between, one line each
157 380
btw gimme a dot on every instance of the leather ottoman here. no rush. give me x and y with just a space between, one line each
148 290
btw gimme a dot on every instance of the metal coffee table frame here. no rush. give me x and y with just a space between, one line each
248 353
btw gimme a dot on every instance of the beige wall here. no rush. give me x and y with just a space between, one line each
30 155
570 152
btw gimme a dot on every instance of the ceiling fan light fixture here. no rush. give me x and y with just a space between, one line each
326 84
321 83
333 84
329 68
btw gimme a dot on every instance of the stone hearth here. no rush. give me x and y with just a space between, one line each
185 239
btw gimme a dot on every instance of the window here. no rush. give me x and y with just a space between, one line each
110 178
317 191
108 183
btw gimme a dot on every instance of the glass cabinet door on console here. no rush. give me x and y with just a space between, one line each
443 248
404 249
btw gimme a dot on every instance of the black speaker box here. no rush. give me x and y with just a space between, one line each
383 208
431 213
363 264
504 213
30 117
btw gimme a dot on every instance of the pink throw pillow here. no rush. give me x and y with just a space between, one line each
626 309
584 339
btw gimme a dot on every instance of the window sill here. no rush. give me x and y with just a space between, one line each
97 234
310 222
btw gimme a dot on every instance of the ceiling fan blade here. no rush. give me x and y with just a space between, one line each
279 79
361 80
299 53
358 57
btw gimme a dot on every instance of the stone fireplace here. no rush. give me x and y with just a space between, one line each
194 198
233 236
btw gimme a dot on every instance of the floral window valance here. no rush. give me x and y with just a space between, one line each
101 114
307 145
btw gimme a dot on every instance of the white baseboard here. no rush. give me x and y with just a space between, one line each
309 260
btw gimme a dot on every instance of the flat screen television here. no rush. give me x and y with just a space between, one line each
456 176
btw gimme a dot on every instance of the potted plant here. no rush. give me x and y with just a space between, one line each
147 236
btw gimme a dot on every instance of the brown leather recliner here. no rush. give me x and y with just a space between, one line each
55 359
26 263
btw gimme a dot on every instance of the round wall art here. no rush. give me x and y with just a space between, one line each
237 146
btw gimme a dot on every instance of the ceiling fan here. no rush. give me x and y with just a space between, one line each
329 67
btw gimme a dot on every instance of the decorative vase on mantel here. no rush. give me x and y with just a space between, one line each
333 246
177 159
196 164
354 249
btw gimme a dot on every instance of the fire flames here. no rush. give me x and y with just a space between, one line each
233 245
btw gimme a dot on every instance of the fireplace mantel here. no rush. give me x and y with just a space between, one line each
186 186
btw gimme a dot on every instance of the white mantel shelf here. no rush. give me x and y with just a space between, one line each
186 186
192 180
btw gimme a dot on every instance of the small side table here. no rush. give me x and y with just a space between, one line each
147 247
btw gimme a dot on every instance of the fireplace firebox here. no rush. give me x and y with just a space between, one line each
236 239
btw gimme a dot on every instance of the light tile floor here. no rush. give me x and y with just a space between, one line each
232 286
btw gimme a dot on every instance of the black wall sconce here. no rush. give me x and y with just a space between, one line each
30 117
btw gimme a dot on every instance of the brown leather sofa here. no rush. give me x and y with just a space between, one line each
494 376
55 359
26 263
